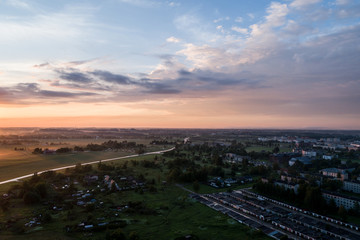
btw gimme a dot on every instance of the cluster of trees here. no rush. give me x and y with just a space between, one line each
82 168
148 164
31 191
183 170
115 145
162 142
205 148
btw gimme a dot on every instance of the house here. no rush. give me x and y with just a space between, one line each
304 160
327 157
308 153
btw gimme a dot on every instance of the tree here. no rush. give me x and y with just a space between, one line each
313 199
4 204
196 186
140 150
276 149
276 166
38 151
332 205
342 213
117 234
31 198
41 189
113 187
356 207
134 236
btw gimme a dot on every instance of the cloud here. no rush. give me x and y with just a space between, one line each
74 76
221 19
304 3
342 2
240 30
111 77
276 14
239 19
174 4
294 29
173 40
157 88
34 90
141 3
220 28
41 65
197 29
18 4
32 93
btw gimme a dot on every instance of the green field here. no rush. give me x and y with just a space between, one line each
267 149
18 163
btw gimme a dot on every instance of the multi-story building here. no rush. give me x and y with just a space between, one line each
286 185
308 153
335 173
341 200
352 186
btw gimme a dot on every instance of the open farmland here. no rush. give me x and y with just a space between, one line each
17 159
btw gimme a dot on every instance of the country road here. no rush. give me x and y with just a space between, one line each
94 162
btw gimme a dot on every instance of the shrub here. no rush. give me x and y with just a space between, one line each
31 198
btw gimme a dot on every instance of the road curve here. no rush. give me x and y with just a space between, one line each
88 163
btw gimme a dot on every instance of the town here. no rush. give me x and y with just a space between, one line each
262 184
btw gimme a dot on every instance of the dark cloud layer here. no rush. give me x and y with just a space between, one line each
21 93
75 76
111 77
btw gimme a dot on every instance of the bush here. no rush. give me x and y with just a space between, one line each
41 189
117 234
31 198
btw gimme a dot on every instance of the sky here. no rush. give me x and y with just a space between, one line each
180 64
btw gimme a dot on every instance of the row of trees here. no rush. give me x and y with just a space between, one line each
115 145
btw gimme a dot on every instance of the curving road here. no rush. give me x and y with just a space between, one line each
94 162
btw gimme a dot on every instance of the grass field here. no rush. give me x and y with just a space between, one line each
267 149
18 163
